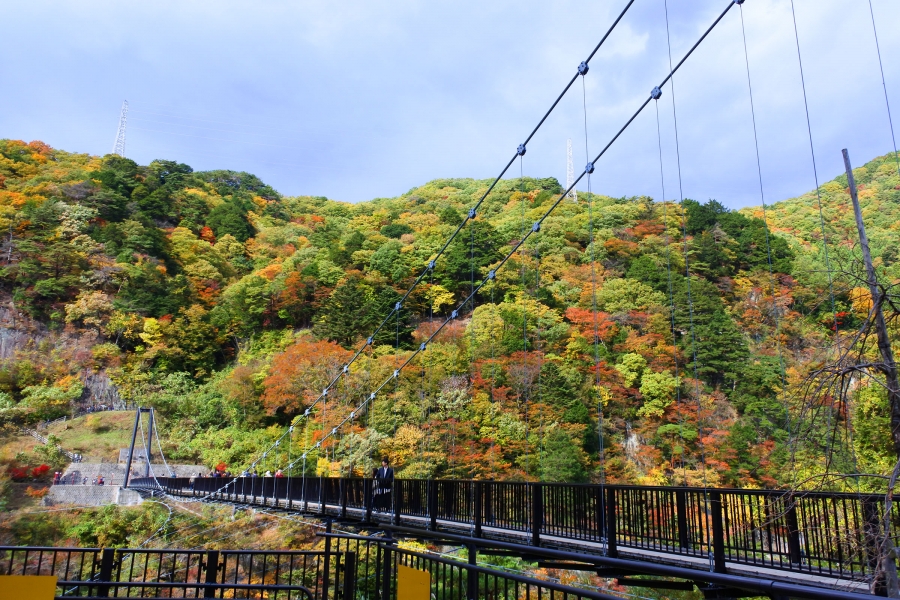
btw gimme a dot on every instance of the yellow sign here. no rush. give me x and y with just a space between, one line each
413 584
33 587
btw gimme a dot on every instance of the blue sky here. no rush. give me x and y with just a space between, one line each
363 99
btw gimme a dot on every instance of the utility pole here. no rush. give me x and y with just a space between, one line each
119 146
570 171
888 367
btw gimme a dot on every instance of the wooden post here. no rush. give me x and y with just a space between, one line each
888 366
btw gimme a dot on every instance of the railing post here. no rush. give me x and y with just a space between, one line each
790 516
107 561
396 500
369 497
472 575
327 559
612 549
212 570
349 591
478 506
684 540
537 513
344 486
386 556
599 511
718 531
321 494
432 505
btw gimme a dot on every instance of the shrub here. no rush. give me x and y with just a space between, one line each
37 493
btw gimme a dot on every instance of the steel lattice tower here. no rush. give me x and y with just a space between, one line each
119 146
570 171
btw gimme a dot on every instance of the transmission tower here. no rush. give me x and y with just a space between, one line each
570 171
119 147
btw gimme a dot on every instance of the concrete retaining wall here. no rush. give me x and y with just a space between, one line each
114 473
91 495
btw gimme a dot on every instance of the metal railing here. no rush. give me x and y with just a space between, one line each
830 534
147 573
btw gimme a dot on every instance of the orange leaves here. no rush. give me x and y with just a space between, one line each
586 323
300 373
621 248
207 235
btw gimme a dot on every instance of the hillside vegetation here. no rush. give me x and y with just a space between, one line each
229 307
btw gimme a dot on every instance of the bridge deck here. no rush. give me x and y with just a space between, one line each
813 539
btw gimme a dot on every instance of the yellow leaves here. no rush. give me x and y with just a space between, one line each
152 333
438 296
90 307
404 446
861 301
602 394
127 325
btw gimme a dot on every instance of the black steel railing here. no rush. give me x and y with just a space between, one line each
831 534
149 573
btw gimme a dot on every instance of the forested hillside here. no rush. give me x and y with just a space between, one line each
229 308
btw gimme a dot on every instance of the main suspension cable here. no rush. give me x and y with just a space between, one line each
536 227
887 102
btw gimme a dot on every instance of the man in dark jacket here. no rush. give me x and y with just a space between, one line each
384 481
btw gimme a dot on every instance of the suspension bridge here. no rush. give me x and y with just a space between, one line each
726 542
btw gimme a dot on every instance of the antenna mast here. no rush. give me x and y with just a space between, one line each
570 171
119 147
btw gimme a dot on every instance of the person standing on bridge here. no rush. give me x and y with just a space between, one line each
384 481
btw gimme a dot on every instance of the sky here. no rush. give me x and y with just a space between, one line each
361 99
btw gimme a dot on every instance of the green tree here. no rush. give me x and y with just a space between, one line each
562 459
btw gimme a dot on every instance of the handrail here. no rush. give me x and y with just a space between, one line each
835 535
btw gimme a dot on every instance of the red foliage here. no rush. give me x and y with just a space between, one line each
18 473
221 467
39 470
206 234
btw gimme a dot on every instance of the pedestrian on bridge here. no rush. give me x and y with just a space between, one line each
384 481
